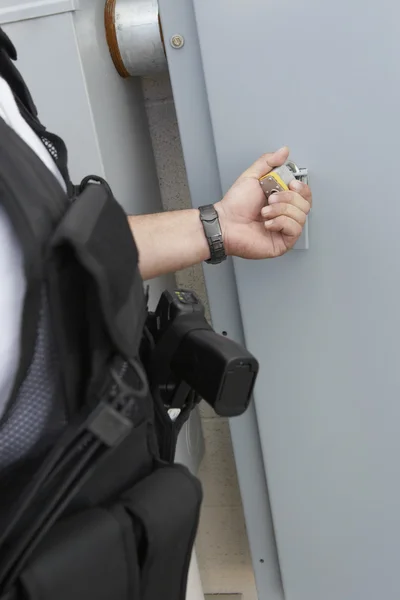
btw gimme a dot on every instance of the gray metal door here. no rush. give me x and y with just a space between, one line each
324 78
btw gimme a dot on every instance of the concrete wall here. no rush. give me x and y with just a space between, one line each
222 544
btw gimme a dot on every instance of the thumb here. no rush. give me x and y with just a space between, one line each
267 162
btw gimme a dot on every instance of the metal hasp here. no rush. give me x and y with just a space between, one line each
300 173
134 37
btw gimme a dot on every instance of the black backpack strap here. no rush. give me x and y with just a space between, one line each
7 44
28 110
96 229
109 417
92 235
10 73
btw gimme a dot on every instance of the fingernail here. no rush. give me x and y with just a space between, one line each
274 198
296 185
265 211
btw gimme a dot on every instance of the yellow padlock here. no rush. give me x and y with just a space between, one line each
277 180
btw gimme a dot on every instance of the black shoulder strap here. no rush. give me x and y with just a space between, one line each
28 110
97 230
10 73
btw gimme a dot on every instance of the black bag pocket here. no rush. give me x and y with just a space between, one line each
165 508
90 556
137 549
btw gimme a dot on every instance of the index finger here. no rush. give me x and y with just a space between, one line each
266 163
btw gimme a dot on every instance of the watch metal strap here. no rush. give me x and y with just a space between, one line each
213 233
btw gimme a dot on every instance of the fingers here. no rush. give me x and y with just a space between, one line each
266 163
287 212
290 198
284 225
302 189
283 209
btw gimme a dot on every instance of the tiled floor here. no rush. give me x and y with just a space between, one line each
222 545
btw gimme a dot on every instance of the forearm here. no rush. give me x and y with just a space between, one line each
168 242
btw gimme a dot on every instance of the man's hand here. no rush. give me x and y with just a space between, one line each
251 229
171 241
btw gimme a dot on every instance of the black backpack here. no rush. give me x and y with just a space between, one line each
88 507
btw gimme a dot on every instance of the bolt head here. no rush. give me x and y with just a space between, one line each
177 41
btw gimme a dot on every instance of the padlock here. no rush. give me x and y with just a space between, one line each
279 179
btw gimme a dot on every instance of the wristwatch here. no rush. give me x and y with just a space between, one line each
213 233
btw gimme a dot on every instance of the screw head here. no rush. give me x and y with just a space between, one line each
177 41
